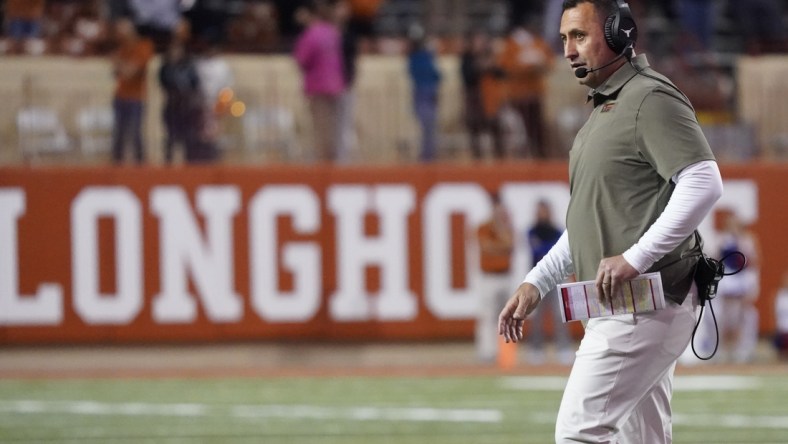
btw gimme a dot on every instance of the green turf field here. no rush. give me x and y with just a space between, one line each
350 410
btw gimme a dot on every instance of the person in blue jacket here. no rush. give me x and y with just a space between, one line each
425 77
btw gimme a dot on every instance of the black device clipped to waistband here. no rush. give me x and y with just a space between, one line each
708 274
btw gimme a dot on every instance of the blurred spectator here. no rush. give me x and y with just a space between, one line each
318 53
781 314
541 238
157 19
480 75
496 242
365 11
209 19
425 82
129 64
697 21
215 76
527 60
289 18
256 29
761 24
737 293
350 41
118 9
362 19
551 20
520 11
23 22
85 32
700 77
216 85
183 108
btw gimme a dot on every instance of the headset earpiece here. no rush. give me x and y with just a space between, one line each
620 28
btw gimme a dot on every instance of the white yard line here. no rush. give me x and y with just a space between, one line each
395 414
705 421
680 383
715 383
534 383
300 412
732 421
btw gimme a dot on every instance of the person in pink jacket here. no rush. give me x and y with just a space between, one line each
318 52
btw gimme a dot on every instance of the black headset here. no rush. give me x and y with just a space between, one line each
621 31
621 34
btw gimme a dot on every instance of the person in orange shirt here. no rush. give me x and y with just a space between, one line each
526 60
130 67
496 243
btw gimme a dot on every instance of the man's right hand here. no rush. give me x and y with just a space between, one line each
512 317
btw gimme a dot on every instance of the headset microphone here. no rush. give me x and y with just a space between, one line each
582 72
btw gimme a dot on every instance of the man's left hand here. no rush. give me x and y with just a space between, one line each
612 273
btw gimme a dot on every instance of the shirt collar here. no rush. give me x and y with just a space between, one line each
614 83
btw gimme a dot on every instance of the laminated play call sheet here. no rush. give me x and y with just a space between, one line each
579 300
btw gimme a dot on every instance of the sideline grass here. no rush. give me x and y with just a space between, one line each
351 410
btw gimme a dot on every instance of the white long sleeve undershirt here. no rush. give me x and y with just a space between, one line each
553 268
698 187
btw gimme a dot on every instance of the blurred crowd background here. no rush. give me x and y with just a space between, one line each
84 27
422 80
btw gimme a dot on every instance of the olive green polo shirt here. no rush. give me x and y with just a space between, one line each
640 134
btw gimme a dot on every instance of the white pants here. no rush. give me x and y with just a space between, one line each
621 384
494 291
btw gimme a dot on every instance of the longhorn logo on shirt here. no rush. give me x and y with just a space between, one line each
608 107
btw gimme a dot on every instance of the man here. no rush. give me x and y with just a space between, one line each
642 177
183 109
130 67
496 242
